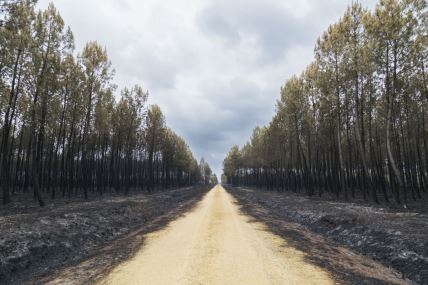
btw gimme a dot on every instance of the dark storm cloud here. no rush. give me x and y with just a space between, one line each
214 67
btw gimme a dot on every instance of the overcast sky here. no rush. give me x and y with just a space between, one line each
215 67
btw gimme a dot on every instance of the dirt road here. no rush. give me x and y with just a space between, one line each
216 244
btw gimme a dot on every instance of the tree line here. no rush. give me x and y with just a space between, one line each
208 177
354 122
63 131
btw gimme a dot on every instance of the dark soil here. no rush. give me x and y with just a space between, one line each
393 237
34 241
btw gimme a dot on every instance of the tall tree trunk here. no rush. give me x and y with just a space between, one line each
6 132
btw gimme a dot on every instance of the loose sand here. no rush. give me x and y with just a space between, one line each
216 244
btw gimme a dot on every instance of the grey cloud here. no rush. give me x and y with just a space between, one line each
158 72
272 25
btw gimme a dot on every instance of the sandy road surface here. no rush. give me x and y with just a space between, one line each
216 244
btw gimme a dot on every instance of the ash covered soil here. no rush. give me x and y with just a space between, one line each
35 242
394 237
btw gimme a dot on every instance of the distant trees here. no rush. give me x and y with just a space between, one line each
206 172
355 121
63 132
